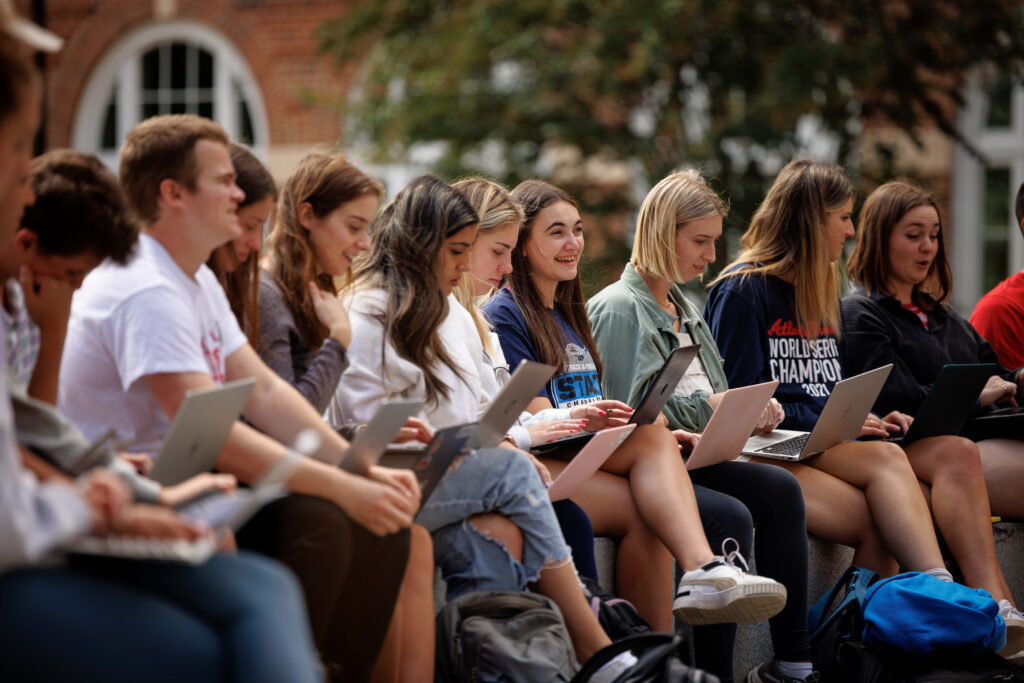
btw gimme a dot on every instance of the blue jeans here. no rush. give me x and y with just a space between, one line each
234 618
501 481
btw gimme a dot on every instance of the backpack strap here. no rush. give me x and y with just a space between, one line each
855 581
664 643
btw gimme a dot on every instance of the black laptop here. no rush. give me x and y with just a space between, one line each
948 405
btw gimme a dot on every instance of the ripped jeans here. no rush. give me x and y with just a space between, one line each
504 482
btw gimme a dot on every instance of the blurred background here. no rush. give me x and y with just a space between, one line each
603 97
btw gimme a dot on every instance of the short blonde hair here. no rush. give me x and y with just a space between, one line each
680 198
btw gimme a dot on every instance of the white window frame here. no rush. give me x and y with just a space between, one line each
120 66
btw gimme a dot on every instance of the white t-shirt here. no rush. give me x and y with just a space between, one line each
696 376
372 377
131 321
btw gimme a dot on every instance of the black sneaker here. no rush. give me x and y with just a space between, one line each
769 673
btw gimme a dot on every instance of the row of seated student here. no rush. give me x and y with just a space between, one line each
344 320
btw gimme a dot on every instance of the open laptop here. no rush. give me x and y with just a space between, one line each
731 424
199 431
587 461
431 466
649 407
840 420
511 401
948 405
370 443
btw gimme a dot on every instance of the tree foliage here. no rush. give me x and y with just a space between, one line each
726 84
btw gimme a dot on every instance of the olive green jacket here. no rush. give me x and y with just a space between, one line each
634 337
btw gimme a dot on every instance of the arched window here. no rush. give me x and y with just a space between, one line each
986 244
168 68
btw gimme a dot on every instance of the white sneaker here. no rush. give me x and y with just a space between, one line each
721 592
611 671
1014 630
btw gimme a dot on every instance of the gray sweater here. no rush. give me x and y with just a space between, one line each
282 348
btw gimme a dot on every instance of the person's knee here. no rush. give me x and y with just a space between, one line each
888 458
960 458
654 441
500 528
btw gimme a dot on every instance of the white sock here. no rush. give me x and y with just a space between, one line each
794 669
940 573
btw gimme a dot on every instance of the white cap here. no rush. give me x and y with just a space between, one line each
24 30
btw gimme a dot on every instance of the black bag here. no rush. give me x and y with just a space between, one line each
505 636
657 661
618 617
836 623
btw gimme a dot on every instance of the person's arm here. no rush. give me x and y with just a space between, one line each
869 343
48 302
383 504
277 331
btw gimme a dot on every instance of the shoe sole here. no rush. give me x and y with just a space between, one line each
1014 638
744 604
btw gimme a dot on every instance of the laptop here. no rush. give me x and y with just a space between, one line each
948 405
840 420
511 401
650 405
370 443
731 424
587 461
199 431
431 466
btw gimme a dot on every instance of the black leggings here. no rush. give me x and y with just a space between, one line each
732 497
349 576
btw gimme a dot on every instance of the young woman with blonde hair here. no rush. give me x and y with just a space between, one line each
774 312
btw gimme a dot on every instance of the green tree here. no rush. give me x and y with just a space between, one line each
724 84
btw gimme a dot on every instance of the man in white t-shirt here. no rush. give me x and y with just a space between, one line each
142 334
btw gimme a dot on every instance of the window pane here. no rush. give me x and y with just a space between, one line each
178 66
109 135
205 109
178 108
151 69
149 109
205 69
245 131
997 226
1000 107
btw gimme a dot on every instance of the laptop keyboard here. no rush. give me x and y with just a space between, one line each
160 550
793 446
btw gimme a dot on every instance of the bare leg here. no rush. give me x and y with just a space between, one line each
837 511
662 492
1003 463
561 585
890 485
408 652
959 501
502 529
643 569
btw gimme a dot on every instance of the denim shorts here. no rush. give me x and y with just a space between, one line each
504 482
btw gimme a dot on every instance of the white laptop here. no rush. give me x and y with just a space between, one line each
370 443
841 420
587 461
199 431
731 424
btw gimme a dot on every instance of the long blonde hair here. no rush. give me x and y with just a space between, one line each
788 238
492 203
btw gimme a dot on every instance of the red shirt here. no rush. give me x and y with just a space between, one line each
999 318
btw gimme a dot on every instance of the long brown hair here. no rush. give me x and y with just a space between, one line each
325 182
404 249
242 285
869 263
495 207
788 237
533 196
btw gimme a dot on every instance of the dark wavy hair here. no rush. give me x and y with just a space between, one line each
404 250
533 196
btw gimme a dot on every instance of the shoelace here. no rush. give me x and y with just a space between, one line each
730 557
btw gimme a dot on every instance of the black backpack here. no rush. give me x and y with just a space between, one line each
618 617
506 636
657 661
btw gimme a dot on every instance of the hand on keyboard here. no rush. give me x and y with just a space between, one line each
150 532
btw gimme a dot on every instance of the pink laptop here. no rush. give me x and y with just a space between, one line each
587 461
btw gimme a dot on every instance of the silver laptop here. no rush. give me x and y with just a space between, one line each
731 424
841 420
199 431
524 385
370 443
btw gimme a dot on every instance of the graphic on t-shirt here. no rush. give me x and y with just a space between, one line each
795 359
211 343
578 383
